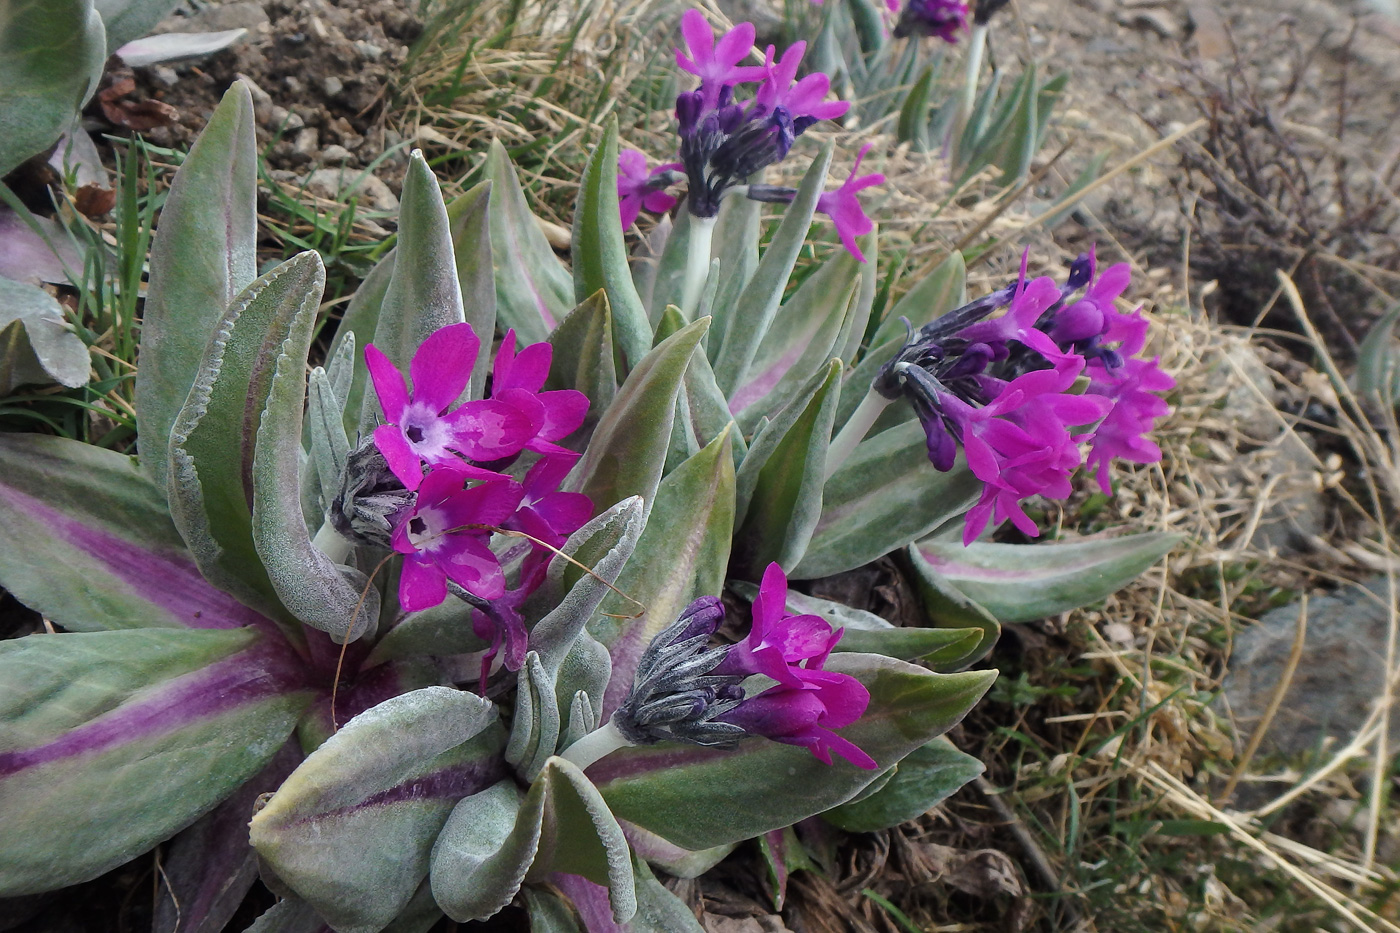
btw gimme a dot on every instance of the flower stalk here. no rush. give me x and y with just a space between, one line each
697 263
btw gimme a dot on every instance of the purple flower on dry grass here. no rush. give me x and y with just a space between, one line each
844 209
1003 389
941 18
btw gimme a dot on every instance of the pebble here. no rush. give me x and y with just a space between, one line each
336 155
332 85
342 184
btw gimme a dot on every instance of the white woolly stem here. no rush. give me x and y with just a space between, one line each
697 263
330 542
600 742
854 430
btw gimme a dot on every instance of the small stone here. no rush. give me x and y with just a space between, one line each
293 84
164 75
343 184
336 155
284 119
332 85
218 18
308 140
368 50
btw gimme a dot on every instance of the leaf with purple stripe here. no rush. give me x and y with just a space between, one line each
116 740
352 829
701 797
98 549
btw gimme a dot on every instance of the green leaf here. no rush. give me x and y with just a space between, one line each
423 294
912 126
352 830
600 252
548 913
483 856
698 797
950 608
682 554
583 356
924 779
534 290
800 342
36 344
202 258
51 57
469 218
1025 582
779 484
335 599
535 728
330 448
1375 358
99 550
444 629
737 231
113 741
883 497
668 277
658 910
628 449
753 313
361 318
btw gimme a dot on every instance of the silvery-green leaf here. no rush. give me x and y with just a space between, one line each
127 19
923 779
51 57
736 238
667 270
469 217
912 126
1375 358
682 554
583 356
548 914
753 313
883 497
587 670
174 46
800 342
701 797
330 448
100 551
35 249
289 915
203 255
600 252
36 344
779 485
534 290
949 607
445 629
707 410
554 635
628 449
116 740
482 857
423 294
213 439
352 830
848 343
318 592
682 863
582 719
1025 582
586 547
357 325
937 293
534 731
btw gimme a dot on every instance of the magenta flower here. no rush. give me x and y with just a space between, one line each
444 537
843 207
805 99
1130 388
637 188
548 515
808 702
420 428
516 380
716 64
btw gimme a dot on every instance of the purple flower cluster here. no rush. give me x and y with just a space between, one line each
941 18
1004 389
453 494
724 141
688 690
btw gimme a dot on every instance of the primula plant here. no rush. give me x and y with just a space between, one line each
434 628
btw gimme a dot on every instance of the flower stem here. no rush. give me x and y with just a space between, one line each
331 543
600 742
697 263
854 430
